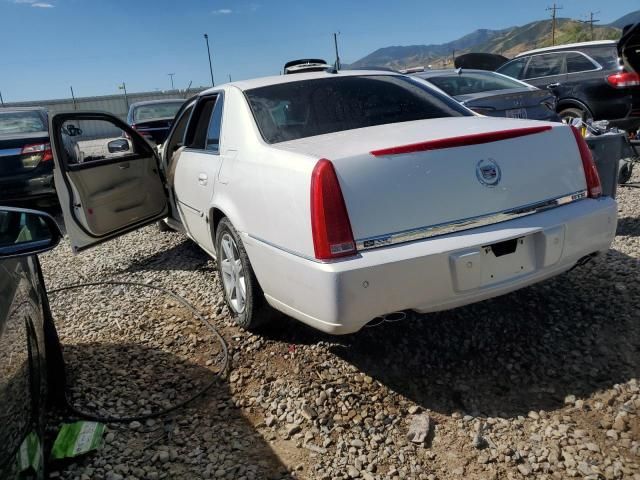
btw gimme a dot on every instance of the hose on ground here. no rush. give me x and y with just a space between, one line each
221 374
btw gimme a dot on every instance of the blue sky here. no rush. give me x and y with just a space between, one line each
48 45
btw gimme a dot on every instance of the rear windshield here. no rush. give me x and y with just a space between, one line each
21 122
605 56
289 111
156 110
469 83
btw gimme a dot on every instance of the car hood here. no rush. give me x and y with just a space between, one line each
629 47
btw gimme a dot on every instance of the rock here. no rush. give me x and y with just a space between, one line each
419 428
619 424
413 409
353 472
135 425
163 456
293 429
525 469
570 399
357 443
308 412
270 421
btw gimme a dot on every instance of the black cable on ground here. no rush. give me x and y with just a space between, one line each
220 374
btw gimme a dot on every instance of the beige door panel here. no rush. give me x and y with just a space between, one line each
117 194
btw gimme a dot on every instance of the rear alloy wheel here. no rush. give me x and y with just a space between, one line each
241 290
569 114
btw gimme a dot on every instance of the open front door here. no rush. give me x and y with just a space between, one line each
107 177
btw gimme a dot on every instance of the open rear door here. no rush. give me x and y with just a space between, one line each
629 48
107 177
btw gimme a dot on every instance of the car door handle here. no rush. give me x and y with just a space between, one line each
553 85
202 179
124 166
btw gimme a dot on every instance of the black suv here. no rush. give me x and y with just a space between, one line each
587 78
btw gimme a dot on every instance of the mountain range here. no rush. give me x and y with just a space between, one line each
507 42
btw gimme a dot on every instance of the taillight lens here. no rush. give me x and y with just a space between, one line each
590 171
624 80
41 149
330 226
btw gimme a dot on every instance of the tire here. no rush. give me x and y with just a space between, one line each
625 170
236 274
163 227
566 114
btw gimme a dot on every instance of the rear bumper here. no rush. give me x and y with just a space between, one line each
38 187
428 275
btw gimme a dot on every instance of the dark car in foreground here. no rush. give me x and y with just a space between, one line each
587 78
30 355
153 118
494 95
26 163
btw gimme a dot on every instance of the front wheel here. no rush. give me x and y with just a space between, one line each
241 290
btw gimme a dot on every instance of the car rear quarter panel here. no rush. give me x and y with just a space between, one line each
263 191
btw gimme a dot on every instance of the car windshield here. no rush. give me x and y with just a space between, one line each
605 56
289 111
21 122
469 83
152 111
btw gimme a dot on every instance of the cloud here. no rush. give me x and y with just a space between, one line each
34 3
222 11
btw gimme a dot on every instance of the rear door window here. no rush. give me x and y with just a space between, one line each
299 109
577 62
606 56
514 68
545 65
215 125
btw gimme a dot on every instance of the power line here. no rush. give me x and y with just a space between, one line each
553 11
591 21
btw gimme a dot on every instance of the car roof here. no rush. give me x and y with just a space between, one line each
281 79
569 46
152 102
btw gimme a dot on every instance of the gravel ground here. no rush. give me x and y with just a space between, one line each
541 383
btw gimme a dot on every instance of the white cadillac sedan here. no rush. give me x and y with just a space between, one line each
339 197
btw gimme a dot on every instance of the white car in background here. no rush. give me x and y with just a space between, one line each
339 197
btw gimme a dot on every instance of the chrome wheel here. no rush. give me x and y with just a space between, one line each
233 275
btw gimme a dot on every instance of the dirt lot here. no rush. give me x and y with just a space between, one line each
541 383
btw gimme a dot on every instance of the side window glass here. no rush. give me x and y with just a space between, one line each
544 65
87 141
213 133
578 63
514 68
199 126
177 138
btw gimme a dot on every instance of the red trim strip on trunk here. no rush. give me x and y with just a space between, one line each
461 141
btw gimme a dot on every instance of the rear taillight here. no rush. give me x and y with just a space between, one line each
330 226
624 80
43 149
590 171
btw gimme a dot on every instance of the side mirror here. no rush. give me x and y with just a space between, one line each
26 232
119 145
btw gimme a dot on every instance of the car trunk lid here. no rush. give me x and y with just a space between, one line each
505 100
629 48
12 160
416 179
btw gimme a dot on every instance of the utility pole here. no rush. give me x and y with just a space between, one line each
553 10
206 38
126 99
1 100
171 76
229 78
335 43
591 21
73 97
